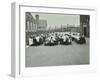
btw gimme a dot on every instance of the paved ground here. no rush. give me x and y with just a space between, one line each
74 54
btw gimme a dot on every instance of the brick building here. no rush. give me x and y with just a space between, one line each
35 24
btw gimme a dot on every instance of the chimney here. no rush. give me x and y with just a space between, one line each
37 20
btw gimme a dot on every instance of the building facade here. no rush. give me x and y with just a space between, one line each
85 25
35 24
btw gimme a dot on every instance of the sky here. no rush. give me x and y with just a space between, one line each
59 19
